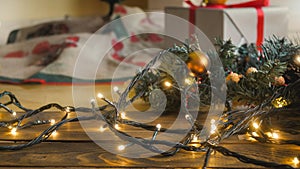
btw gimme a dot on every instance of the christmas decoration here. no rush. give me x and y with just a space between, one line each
256 90
198 62
296 60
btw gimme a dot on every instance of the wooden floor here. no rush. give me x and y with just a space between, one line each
72 148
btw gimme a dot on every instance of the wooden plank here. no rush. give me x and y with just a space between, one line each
34 96
74 131
90 155
72 148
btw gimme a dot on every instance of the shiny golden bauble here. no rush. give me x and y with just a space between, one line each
296 60
198 62
217 2
138 104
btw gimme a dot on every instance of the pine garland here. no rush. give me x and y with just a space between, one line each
271 62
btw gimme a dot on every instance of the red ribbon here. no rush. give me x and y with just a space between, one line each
258 4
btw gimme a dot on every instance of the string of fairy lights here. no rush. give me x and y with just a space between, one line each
114 114
191 144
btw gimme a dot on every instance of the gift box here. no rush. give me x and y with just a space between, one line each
241 25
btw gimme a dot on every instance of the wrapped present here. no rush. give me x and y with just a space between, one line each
242 23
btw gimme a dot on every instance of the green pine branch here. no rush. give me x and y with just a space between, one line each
272 61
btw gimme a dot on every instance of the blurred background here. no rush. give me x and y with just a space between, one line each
43 38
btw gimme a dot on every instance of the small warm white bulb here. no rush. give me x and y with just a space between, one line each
100 95
68 109
117 126
93 101
255 125
275 135
116 89
195 138
14 113
269 134
168 84
102 129
52 121
158 126
296 161
187 117
54 133
255 134
123 115
13 131
213 129
121 147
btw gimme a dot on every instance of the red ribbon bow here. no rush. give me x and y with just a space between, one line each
257 4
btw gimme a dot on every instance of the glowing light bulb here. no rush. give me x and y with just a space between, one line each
295 161
187 117
100 95
117 127
167 84
213 127
121 147
54 133
255 125
255 134
14 113
158 126
116 89
68 109
9 127
188 81
13 131
275 135
123 115
269 134
52 121
93 101
195 138
102 129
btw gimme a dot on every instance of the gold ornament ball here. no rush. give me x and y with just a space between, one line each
131 93
198 62
217 2
296 60
140 105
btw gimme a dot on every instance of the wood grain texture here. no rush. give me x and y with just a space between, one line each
72 148
90 155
